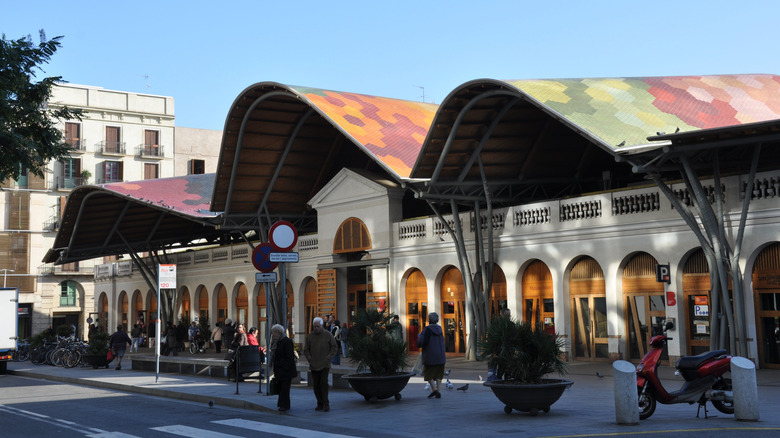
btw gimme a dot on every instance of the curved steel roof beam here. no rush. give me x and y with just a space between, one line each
280 163
455 126
240 142
485 138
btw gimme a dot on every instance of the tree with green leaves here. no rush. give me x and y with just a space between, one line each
29 137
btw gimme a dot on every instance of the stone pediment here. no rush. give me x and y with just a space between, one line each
351 186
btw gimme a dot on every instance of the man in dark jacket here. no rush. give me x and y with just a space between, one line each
228 333
319 350
119 342
284 365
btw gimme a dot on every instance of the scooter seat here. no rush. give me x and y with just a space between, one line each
693 362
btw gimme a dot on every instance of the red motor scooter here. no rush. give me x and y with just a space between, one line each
703 376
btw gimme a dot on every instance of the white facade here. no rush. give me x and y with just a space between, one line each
609 227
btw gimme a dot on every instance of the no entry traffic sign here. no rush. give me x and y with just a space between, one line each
261 258
283 236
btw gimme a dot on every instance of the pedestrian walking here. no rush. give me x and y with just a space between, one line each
216 337
319 349
344 338
228 332
119 342
135 335
284 365
336 332
431 340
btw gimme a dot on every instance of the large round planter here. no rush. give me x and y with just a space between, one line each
374 388
96 360
528 397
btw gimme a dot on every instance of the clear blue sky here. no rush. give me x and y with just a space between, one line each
205 53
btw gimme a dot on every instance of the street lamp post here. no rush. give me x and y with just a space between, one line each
5 274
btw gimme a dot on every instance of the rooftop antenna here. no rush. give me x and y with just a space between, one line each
423 92
148 83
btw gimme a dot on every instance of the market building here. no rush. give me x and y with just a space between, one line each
390 196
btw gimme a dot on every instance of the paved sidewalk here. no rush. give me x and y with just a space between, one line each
586 408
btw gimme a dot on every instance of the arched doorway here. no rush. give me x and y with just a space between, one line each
203 302
310 304
242 304
453 318
103 306
416 307
645 306
124 309
766 290
222 303
498 300
589 310
696 294
262 314
185 303
538 302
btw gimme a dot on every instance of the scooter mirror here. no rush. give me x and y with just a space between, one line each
669 325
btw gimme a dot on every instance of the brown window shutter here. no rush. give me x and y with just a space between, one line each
326 292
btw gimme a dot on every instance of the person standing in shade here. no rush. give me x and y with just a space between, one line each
336 332
344 339
228 333
216 337
395 329
284 365
319 350
431 340
118 342
135 335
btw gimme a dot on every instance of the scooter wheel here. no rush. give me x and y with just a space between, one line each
646 405
723 406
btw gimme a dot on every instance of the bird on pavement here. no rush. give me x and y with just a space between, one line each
211 403
464 388
599 375
449 384
427 386
447 373
479 377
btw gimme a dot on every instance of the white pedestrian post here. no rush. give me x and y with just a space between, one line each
626 398
743 380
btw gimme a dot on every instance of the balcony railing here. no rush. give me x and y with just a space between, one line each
69 269
76 145
111 148
66 183
150 150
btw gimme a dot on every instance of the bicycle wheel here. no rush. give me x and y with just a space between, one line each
193 348
71 359
38 356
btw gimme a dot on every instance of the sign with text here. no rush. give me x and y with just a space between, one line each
166 277
265 277
662 274
284 257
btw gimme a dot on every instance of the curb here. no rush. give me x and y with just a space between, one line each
197 398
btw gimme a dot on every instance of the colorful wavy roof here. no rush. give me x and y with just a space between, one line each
190 195
393 130
625 111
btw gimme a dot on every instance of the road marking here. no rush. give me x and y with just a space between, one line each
49 420
668 431
178 429
279 430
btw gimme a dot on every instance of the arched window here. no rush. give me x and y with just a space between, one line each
352 236
68 294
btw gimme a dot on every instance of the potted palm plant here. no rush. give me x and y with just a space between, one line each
379 357
97 350
523 355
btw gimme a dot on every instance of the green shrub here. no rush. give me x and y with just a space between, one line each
371 346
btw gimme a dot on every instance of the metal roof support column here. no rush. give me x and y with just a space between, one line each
736 272
240 142
154 228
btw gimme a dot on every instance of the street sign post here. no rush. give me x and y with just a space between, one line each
284 257
265 277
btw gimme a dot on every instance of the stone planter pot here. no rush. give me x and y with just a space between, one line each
374 388
530 398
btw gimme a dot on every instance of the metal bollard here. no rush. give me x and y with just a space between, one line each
743 381
626 398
